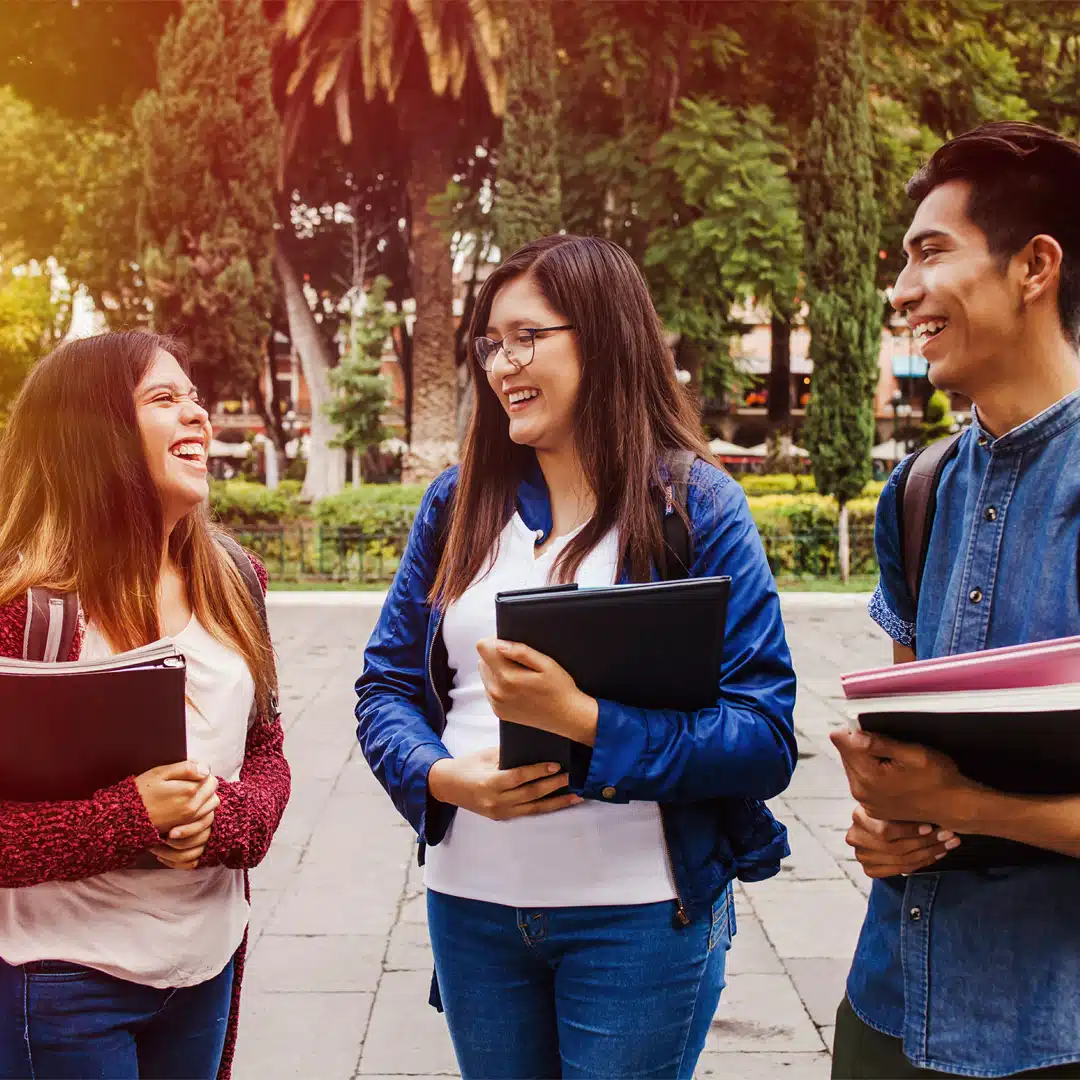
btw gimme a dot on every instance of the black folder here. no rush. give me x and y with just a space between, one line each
653 646
69 729
1026 752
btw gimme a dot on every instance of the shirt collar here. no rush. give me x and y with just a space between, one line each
533 502
1039 429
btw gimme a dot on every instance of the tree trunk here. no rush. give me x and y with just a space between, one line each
326 465
845 543
431 126
778 433
270 410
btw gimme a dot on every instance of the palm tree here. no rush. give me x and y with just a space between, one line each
416 55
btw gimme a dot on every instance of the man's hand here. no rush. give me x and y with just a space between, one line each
887 848
896 781
476 783
526 687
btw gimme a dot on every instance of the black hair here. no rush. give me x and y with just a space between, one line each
1025 182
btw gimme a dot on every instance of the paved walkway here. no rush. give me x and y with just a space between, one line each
340 965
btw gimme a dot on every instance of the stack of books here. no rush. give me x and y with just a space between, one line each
1009 718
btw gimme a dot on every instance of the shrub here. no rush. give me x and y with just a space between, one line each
790 484
241 502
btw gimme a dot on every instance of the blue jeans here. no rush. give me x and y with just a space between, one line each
59 1021
614 992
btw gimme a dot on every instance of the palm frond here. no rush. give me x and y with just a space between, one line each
297 16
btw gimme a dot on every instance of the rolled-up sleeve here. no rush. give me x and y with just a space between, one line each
891 606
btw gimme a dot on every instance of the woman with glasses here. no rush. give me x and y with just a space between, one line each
577 932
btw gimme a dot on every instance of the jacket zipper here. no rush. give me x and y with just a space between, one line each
431 674
681 918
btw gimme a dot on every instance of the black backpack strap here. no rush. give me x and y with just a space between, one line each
254 587
674 517
916 501
51 621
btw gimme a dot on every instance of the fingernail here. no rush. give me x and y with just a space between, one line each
953 843
945 835
204 770
925 830
502 646
174 835
575 799
553 768
941 856
860 740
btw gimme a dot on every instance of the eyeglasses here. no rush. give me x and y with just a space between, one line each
519 346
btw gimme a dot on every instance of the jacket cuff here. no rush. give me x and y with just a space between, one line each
429 817
128 824
621 747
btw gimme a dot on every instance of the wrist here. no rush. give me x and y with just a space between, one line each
583 717
438 780
971 808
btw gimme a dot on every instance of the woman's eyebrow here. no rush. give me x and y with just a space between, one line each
173 388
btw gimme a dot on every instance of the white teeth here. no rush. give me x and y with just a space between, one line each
523 395
928 329
191 450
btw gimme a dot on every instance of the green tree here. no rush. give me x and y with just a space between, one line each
938 420
730 230
841 220
361 390
208 141
420 59
30 324
527 202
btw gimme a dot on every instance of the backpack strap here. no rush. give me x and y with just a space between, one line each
916 504
678 558
254 587
51 621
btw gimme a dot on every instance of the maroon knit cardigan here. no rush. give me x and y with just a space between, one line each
67 841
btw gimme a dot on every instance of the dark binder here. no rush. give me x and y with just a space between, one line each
1020 753
69 729
653 646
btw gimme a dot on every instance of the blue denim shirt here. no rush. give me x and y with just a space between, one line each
979 973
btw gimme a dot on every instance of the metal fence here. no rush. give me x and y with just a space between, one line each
361 556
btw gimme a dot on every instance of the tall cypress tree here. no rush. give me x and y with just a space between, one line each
208 139
842 227
527 191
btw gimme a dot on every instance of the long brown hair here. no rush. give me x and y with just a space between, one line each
79 510
630 410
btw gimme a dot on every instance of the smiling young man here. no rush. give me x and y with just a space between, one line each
965 973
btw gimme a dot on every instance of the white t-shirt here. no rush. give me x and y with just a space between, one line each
587 855
160 928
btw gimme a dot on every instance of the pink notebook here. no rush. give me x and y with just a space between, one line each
1041 663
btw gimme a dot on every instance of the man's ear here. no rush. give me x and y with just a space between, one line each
1040 266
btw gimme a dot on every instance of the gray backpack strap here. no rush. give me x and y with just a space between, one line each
254 586
51 621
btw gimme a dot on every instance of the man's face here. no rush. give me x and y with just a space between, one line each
966 310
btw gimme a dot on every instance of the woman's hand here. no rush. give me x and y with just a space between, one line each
526 687
185 844
177 794
476 783
887 848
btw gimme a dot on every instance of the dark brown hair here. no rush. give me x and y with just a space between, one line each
1024 182
630 410
79 510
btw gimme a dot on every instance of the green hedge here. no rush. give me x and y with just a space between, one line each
360 533
241 502
789 484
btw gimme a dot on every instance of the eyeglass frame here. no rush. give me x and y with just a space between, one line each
532 331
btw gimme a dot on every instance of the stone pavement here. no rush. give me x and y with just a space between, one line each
340 965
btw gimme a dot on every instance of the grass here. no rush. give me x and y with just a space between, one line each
857 583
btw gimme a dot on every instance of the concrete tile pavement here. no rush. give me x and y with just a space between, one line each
340 965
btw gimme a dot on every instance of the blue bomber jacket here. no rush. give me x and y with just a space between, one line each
709 770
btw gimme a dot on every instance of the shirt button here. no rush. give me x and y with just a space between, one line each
608 793
984 442
915 914
975 596
539 534
991 514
